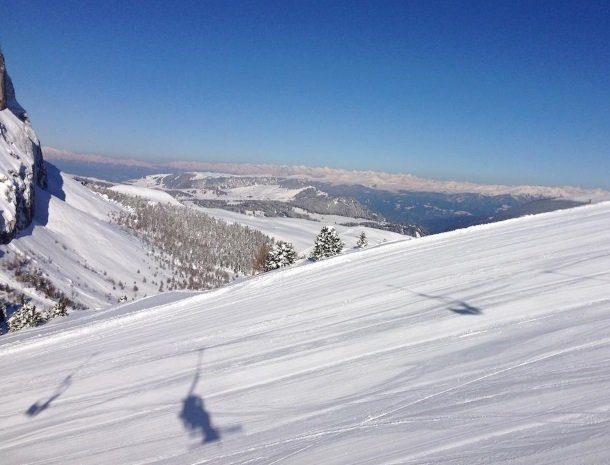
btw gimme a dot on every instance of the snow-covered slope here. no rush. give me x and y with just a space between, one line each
301 232
155 195
489 345
73 243
94 262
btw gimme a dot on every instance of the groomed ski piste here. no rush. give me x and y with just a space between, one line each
489 345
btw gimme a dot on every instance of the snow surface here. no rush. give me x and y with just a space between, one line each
301 232
85 256
489 345
155 195
261 192
72 241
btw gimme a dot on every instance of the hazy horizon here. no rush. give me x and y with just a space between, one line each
511 94
123 169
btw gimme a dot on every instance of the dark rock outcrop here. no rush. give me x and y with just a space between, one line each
2 91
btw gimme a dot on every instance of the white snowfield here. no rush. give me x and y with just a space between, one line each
489 345
154 195
302 232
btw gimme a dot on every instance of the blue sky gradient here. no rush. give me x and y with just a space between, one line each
495 92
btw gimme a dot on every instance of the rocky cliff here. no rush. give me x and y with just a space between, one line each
2 91
21 163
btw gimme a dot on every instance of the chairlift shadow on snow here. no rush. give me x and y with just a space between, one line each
466 309
454 305
195 418
40 406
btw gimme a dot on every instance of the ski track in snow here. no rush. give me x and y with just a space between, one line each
489 345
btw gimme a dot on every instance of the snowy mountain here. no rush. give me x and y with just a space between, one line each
487 345
21 163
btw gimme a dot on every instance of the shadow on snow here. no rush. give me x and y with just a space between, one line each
454 305
40 406
42 199
195 418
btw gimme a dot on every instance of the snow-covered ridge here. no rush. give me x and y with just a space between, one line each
485 345
21 163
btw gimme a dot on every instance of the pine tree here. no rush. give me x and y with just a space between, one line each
26 316
327 244
362 241
282 254
57 310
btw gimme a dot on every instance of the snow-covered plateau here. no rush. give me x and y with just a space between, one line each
488 345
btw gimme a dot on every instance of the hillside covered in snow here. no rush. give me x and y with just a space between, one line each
75 247
488 345
74 250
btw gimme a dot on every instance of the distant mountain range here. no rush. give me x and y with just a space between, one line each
400 199
127 168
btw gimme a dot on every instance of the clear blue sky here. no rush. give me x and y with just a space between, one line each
490 91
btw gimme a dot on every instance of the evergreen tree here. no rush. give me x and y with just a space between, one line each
362 241
282 254
327 244
59 309
26 316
